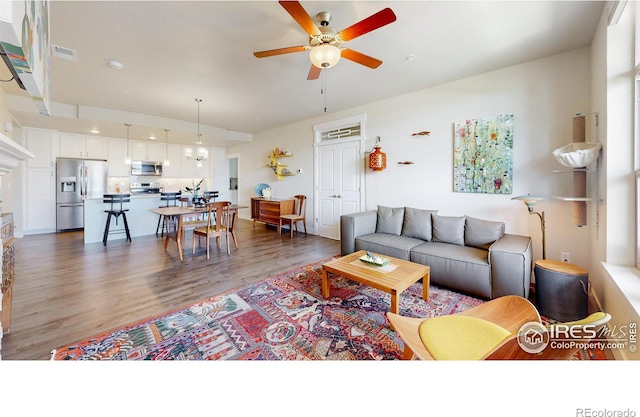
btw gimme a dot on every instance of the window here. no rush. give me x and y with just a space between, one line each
637 164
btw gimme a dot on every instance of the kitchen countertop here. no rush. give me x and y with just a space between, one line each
136 196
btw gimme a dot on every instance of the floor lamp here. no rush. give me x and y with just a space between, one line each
530 201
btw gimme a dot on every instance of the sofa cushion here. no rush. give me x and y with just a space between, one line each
417 223
447 229
387 244
482 233
390 220
460 268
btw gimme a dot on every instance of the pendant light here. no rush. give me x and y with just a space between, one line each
166 148
377 159
201 153
127 159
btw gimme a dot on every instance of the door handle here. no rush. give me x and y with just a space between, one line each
335 196
86 180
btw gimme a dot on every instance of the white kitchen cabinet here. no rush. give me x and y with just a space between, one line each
219 159
80 146
96 148
147 151
175 158
117 154
40 181
220 172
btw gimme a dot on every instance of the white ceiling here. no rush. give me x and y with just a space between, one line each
176 51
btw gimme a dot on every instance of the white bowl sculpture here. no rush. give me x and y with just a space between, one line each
578 154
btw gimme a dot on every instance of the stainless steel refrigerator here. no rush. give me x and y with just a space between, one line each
76 180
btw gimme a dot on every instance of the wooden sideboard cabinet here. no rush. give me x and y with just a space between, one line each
8 266
269 211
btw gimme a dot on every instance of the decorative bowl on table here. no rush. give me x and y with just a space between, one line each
375 260
261 187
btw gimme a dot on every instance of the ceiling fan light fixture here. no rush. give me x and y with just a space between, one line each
325 55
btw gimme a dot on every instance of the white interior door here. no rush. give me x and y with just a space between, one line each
340 169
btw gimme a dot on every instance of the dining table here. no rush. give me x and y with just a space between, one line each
180 213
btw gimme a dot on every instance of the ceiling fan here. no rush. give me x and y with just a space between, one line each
324 41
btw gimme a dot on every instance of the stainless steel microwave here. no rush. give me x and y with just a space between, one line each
146 168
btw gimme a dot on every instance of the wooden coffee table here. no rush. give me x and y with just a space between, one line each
393 278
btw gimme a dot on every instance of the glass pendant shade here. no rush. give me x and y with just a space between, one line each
325 55
127 159
377 159
166 148
200 152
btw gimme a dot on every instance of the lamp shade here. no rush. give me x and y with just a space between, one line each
325 55
529 200
377 159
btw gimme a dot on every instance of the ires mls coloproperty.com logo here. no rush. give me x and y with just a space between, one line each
534 337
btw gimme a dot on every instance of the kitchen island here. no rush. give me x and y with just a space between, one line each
142 222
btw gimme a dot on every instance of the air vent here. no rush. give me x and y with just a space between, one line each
64 53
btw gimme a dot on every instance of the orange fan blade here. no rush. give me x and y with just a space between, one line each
373 22
363 59
301 16
280 51
314 72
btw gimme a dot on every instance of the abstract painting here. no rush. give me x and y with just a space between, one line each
483 155
24 37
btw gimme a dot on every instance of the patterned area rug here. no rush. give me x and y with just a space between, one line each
283 317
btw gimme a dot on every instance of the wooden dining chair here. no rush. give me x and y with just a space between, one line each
218 225
297 216
191 222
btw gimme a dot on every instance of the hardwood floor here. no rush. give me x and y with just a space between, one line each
66 291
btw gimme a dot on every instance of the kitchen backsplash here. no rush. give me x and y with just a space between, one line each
166 184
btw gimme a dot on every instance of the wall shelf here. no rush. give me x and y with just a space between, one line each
585 195
279 168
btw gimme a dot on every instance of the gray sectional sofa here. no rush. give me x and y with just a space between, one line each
466 254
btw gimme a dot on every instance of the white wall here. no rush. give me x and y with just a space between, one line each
543 95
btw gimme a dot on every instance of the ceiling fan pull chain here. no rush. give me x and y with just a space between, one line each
324 88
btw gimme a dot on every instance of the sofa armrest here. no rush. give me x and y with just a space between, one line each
354 225
510 260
